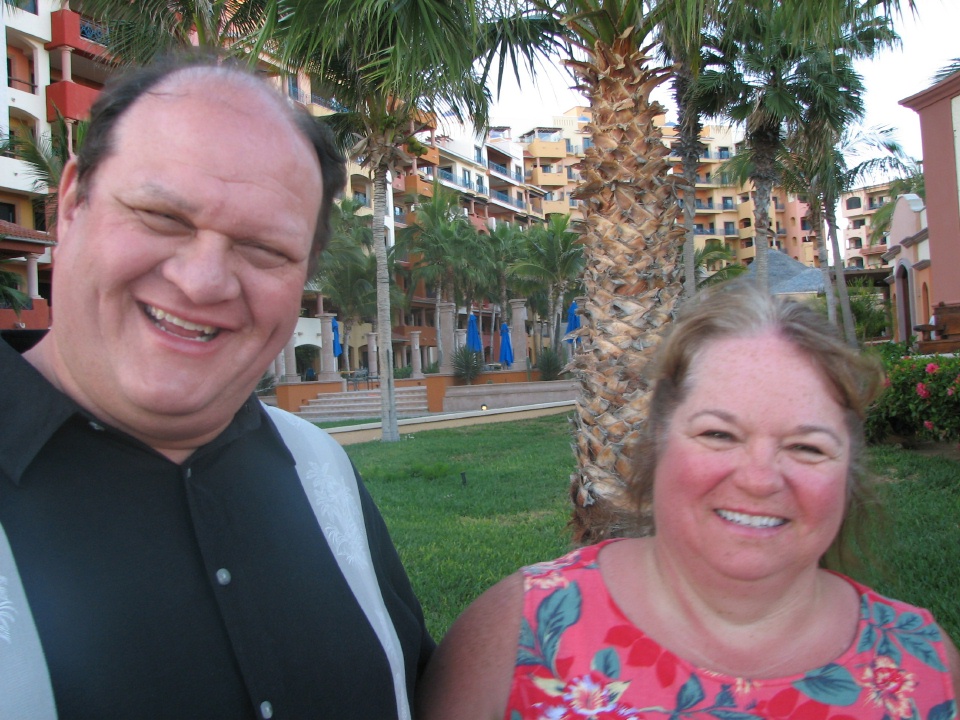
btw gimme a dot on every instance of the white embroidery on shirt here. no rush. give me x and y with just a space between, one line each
7 611
342 518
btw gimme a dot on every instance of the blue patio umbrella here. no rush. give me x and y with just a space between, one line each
506 347
473 334
337 347
573 321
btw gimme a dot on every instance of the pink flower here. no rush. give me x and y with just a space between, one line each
928 425
588 696
932 368
889 686
886 382
949 391
922 391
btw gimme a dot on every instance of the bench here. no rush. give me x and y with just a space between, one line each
945 325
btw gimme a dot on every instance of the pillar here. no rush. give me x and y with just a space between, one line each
33 280
415 354
290 361
328 361
372 354
66 63
518 330
278 366
460 338
446 310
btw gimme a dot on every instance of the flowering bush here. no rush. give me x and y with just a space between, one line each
921 398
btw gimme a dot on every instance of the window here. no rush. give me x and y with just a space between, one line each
730 228
804 224
854 203
478 154
8 212
746 222
727 203
724 153
546 168
856 242
857 224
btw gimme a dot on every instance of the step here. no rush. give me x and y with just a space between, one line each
409 402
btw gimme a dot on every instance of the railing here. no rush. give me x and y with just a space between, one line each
93 31
518 175
454 180
481 188
507 200
703 206
704 231
297 94
326 102
728 205
18 84
498 168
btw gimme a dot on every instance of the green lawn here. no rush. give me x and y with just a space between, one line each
457 538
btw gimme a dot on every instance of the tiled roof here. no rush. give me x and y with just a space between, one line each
12 231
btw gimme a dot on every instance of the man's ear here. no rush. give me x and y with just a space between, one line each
68 198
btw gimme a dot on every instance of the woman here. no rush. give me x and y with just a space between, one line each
751 468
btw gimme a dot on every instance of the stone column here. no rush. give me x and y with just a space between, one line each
447 312
328 362
518 330
290 362
415 354
278 366
461 338
372 354
66 66
33 280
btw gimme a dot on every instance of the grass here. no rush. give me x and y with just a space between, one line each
345 423
457 539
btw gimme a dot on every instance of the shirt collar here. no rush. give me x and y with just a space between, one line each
33 410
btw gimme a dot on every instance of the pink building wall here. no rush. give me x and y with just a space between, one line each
938 130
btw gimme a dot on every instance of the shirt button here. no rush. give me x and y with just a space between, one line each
223 576
266 710
188 473
96 426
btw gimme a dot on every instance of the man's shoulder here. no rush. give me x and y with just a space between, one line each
301 436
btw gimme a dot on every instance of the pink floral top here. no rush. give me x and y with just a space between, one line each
579 658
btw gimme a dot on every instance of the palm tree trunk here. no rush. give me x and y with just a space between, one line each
816 222
688 148
388 408
631 280
846 314
346 329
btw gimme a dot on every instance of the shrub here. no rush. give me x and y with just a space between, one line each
402 373
922 398
550 364
467 364
432 369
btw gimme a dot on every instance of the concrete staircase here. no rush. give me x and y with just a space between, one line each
361 404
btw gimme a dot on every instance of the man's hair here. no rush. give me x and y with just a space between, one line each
739 309
123 90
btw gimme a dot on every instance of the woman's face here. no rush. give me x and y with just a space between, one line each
751 479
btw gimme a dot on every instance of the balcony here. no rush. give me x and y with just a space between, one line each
502 197
430 157
555 206
538 176
86 36
873 250
72 100
451 179
415 184
547 149
707 207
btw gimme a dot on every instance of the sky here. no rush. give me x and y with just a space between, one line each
930 41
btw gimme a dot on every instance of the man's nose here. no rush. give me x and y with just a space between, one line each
203 270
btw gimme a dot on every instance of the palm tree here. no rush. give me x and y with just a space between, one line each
911 181
10 294
506 243
712 253
947 70
137 32
436 243
389 70
776 84
347 269
553 257
46 156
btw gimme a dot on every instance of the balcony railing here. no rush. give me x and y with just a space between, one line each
507 200
93 31
449 177
24 85
498 168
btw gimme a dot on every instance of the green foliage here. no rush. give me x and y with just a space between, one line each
402 373
10 294
706 258
432 368
870 313
550 364
467 364
457 539
922 399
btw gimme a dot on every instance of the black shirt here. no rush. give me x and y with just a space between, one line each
202 590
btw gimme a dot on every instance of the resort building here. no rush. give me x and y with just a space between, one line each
857 209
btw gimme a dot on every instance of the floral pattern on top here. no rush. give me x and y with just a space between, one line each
580 658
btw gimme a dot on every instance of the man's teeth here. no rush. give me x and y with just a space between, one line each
755 521
162 317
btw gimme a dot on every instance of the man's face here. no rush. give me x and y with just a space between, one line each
178 278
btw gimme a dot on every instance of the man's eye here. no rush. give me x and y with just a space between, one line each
262 256
161 222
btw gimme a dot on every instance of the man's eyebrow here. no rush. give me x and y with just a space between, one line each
155 191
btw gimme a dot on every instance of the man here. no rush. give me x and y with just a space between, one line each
168 547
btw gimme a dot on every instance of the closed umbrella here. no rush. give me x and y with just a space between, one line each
473 334
506 347
573 322
337 347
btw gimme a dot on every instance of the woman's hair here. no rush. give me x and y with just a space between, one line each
740 310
